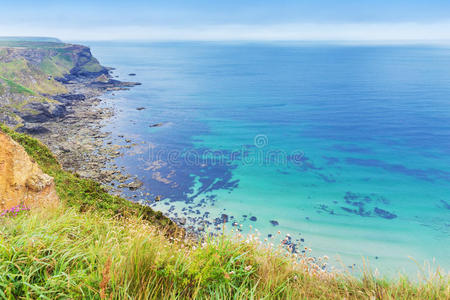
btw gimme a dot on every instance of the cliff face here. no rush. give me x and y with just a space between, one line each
21 179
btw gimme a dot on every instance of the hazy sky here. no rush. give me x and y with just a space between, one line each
228 19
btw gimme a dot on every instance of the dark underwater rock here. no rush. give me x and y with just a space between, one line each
384 213
224 217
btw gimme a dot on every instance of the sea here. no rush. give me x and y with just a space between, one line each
344 147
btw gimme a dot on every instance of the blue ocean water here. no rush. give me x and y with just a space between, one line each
345 147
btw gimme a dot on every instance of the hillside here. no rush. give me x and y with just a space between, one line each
32 73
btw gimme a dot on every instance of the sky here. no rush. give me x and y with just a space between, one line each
347 20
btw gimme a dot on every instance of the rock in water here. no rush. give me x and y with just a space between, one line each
274 223
135 185
21 179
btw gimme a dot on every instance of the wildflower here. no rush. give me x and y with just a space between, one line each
231 273
248 268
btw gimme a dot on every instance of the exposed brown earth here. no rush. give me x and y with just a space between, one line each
22 182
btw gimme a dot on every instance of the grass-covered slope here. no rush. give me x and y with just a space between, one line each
96 246
29 70
32 77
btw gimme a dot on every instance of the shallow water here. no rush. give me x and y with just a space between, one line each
345 147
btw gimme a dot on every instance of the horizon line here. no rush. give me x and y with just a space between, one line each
296 32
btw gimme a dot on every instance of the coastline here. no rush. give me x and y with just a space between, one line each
77 139
65 111
52 90
80 132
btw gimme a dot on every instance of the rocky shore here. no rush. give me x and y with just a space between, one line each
76 136
52 91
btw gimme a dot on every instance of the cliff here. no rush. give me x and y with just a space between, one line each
38 79
22 182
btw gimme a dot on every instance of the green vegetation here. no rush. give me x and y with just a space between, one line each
97 246
29 76
28 69
57 65
16 88
92 66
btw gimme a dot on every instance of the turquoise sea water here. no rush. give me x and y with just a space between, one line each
345 147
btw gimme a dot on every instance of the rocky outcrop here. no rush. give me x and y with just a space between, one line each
39 81
21 179
41 111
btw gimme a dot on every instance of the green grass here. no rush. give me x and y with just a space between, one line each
57 65
96 246
17 88
30 78
92 66
49 67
